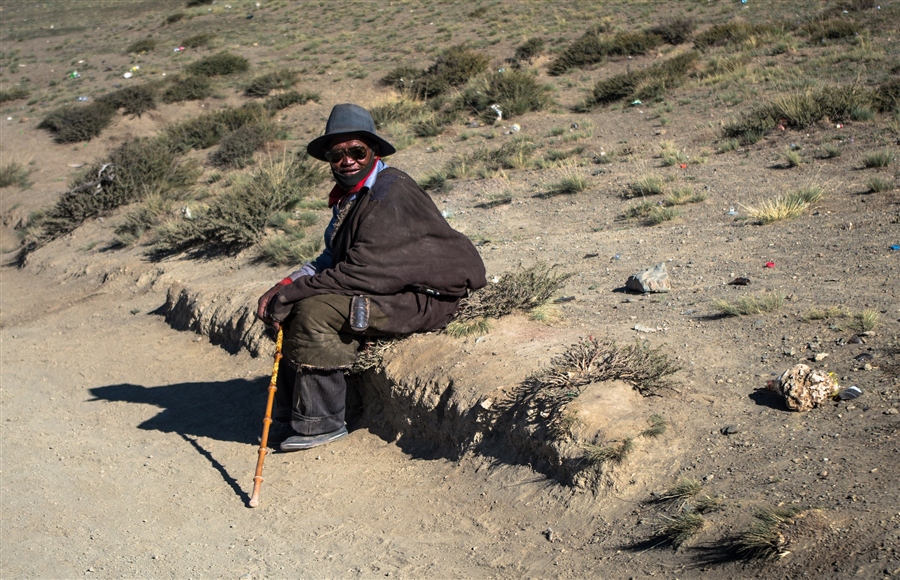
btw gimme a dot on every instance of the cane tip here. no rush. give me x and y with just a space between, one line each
254 502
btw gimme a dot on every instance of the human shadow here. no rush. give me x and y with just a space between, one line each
225 411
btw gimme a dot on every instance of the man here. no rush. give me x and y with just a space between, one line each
390 256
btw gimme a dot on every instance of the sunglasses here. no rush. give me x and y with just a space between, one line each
357 153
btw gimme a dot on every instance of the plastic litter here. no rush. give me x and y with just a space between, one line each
496 109
636 102
732 211
849 393
895 248
74 75
179 49
770 264
128 75
82 99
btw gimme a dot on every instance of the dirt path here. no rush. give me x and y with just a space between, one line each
128 450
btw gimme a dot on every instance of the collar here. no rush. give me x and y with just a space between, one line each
338 195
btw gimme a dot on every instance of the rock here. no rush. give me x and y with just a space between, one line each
642 328
740 281
803 388
729 430
655 279
820 356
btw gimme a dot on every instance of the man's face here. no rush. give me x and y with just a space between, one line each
347 154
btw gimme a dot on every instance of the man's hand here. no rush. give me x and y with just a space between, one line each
263 305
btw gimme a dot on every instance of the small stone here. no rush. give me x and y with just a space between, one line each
823 473
820 356
729 430
856 340
892 411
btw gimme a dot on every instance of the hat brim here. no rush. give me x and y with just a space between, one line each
317 146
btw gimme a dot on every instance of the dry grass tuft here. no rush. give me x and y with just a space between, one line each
597 455
785 207
658 426
764 539
680 528
746 305
519 291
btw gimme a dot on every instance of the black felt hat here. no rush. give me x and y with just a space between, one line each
344 120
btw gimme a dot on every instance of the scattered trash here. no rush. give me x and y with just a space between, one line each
683 165
617 257
135 68
770 264
895 248
496 109
655 279
575 127
732 211
636 102
647 329
739 281
127 75
849 394
74 75
82 99
249 17
179 49
515 129
590 255
501 70
839 126
803 388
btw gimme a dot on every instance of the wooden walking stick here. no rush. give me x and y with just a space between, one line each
267 420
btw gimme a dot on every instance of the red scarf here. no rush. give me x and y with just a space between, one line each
338 195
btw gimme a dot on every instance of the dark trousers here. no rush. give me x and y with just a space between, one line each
313 400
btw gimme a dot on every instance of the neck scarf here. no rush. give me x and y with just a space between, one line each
347 186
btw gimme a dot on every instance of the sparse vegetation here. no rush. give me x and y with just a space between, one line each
597 455
220 64
198 40
190 88
141 46
262 85
647 185
13 94
453 68
74 123
658 426
879 159
134 100
764 539
645 84
867 320
238 218
785 207
681 527
750 304
14 174
237 148
877 184
513 92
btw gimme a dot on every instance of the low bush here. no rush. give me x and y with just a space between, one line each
14 174
262 85
453 68
677 31
174 17
765 538
513 92
237 148
591 48
529 49
13 94
290 98
747 305
238 218
208 129
831 29
193 3
190 88
732 32
401 78
145 45
133 100
198 40
75 123
289 248
886 98
402 110
133 171
651 82
219 64
878 159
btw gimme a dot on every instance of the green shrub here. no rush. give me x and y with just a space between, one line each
190 88
285 100
219 64
262 85
173 18
402 110
133 100
289 248
514 92
877 184
588 49
198 40
237 148
74 123
832 29
401 78
881 158
145 45
651 82
14 174
209 129
192 3
451 69
529 49
131 172
678 31
732 32
886 98
238 218
13 94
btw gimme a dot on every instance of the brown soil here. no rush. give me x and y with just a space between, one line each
128 447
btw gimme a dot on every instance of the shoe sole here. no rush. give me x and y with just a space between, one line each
300 442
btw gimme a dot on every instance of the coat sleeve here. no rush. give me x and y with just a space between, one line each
402 243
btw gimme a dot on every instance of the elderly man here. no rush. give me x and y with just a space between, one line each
392 266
